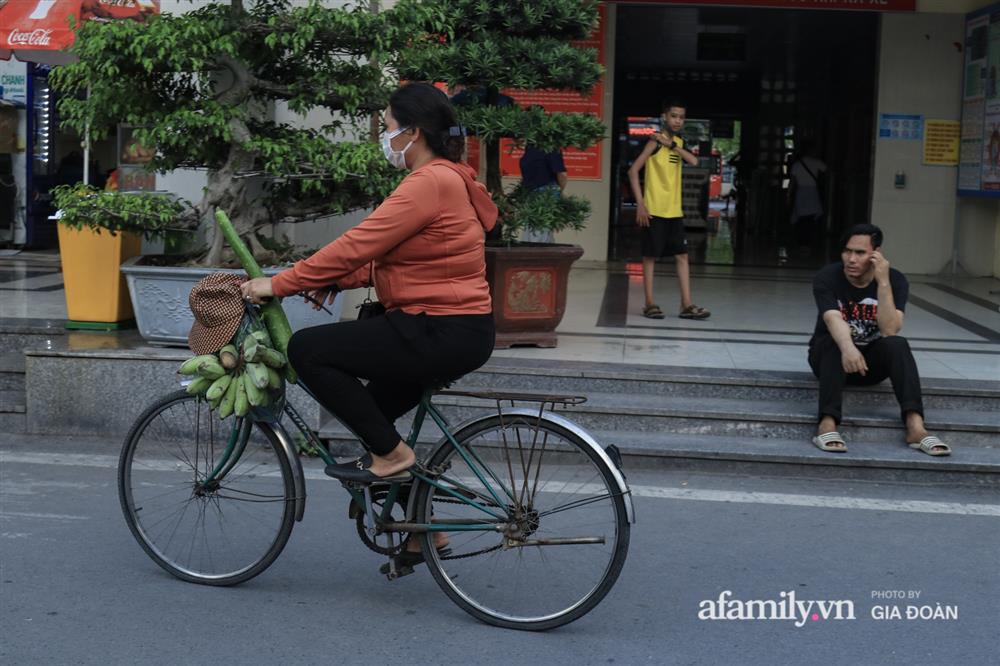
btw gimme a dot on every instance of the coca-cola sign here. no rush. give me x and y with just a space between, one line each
38 37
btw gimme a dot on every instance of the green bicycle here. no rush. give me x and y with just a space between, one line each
537 513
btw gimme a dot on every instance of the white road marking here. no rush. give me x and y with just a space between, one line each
42 516
818 501
651 492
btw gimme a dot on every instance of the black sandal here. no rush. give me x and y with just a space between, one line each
358 471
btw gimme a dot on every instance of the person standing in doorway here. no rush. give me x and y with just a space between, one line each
659 213
541 171
806 177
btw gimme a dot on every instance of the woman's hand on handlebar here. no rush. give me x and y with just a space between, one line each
257 290
316 297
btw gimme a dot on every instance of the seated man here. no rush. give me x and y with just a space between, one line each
861 302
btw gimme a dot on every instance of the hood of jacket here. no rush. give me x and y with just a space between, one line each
480 197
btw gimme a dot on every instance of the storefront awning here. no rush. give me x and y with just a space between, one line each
41 30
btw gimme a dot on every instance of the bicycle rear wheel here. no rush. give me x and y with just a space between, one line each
566 529
221 533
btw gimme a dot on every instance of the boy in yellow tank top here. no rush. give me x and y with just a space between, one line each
659 213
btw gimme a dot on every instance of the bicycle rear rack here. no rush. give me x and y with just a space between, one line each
517 396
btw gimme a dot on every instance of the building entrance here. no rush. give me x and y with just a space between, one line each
762 87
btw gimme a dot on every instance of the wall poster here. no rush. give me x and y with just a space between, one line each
941 142
979 136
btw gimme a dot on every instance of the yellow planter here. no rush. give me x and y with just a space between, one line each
95 288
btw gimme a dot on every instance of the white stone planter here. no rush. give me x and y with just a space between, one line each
160 300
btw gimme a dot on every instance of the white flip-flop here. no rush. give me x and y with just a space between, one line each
927 445
823 442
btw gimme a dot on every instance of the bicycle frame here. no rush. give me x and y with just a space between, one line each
240 434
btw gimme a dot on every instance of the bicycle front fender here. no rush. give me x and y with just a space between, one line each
563 422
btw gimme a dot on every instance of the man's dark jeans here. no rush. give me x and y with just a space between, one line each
886 357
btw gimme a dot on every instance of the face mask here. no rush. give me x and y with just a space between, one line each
397 158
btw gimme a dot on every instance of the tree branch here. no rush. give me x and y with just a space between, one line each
301 209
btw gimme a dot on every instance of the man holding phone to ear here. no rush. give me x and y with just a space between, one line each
861 300
659 213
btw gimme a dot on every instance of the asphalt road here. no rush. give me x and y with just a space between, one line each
76 589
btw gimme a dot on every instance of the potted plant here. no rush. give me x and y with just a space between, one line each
200 90
517 44
94 240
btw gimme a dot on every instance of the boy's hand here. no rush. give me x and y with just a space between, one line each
641 215
664 139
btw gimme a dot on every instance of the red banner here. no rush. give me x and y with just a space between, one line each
44 25
583 164
856 5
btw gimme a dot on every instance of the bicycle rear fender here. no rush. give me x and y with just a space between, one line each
568 425
298 478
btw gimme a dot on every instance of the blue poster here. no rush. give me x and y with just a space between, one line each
901 126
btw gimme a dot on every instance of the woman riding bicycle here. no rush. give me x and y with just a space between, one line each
423 248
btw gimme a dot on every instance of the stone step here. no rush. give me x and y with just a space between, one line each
131 377
12 381
741 418
19 334
12 362
11 401
13 422
865 460
12 372
727 418
587 378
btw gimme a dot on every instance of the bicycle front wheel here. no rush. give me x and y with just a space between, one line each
562 534
214 533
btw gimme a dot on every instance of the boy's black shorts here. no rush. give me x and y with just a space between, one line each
664 237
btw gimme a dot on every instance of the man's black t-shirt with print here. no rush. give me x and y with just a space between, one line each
857 305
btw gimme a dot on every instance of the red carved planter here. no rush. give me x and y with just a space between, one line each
528 283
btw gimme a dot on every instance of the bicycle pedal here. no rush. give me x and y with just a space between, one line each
399 572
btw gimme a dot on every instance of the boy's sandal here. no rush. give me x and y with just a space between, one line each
932 446
826 441
694 312
653 312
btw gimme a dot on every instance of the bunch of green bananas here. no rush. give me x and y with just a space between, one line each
234 380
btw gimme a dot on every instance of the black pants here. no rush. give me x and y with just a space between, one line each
807 230
886 357
399 354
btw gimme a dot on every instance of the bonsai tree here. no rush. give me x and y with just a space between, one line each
523 44
199 87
